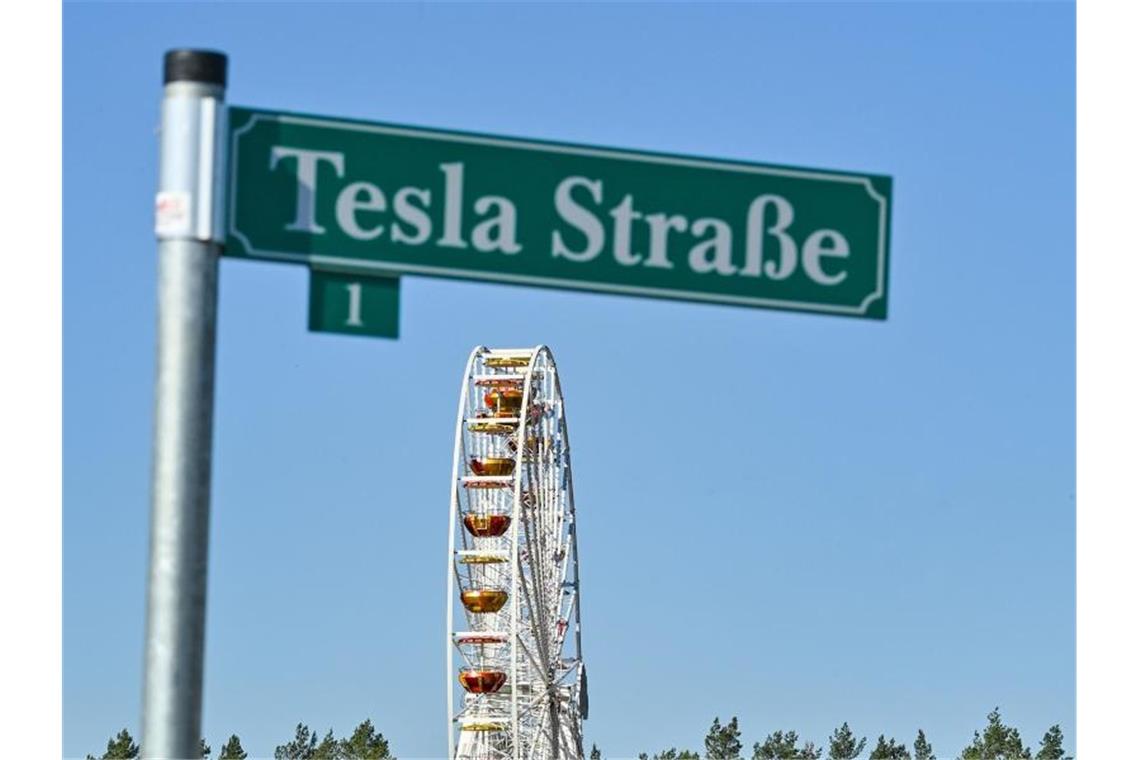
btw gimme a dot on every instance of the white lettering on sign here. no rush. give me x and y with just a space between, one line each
590 224
359 196
754 247
580 218
361 205
414 216
305 217
720 246
353 305
659 227
624 217
452 206
498 232
770 250
814 249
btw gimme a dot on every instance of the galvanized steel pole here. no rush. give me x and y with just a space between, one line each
190 231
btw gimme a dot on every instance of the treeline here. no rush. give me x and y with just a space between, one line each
363 744
996 742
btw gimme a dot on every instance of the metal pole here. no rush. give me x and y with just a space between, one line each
188 224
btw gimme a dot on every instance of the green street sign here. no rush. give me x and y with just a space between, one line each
390 200
354 304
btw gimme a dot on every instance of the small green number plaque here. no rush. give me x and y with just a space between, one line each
354 304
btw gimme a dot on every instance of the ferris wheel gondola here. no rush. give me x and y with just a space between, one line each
513 567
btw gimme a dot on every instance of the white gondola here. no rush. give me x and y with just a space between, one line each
512 570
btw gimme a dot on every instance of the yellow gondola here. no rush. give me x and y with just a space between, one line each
492 465
496 428
484 726
505 362
482 559
504 402
482 600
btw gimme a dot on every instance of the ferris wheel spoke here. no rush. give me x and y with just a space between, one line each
534 616
534 588
539 668
541 724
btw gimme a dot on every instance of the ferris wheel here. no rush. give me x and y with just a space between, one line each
513 567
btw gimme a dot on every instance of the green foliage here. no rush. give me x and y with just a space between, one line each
365 744
121 746
1052 745
328 749
782 746
232 749
891 750
723 742
922 748
776 746
997 742
303 746
843 745
674 754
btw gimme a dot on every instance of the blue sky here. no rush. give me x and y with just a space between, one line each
860 521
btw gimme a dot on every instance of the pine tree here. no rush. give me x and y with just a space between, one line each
303 746
204 750
922 748
843 745
674 754
232 749
775 747
121 746
891 750
997 742
782 746
723 742
365 744
595 753
1053 745
328 749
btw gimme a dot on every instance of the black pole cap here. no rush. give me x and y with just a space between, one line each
204 66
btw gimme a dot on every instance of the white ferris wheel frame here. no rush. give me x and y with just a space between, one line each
561 690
